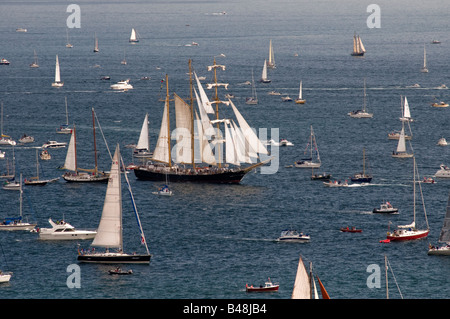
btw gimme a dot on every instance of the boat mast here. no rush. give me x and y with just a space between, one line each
364 105
192 116
216 98
414 190
95 145
386 269
364 162
168 122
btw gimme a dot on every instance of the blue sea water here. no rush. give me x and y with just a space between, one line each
208 241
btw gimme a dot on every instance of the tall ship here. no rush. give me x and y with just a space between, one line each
358 47
226 158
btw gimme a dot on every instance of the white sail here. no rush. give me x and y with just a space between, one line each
183 131
302 284
264 71
444 237
57 71
360 45
133 37
401 146
271 62
406 111
243 152
71 157
161 153
109 232
231 157
249 134
203 97
300 91
143 143
205 154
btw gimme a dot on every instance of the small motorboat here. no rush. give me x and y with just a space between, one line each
442 142
444 172
3 61
5 277
274 93
54 144
440 104
291 235
285 142
286 99
268 286
428 180
164 191
119 271
385 208
26 139
45 155
122 85
351 230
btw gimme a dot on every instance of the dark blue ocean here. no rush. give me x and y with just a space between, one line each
208 241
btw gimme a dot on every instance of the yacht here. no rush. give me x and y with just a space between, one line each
122 85
62 230
54 144
290 235
444 172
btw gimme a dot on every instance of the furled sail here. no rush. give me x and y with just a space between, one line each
445 231
302 284
109 232
161 153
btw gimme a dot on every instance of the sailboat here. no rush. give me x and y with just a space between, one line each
271 62
362 177
16 223
308 162
410 232
5 276
424 69
36 180
35 62
361 113
193 147
57 82
142 148
406 113
133 36
358 47
96 43
109 232
11 183
300 100
444 237
305 286
124 61
76 174
401 146
253 100
264 78
68 44
64 128
5 139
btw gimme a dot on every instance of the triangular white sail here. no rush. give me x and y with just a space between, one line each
71 157
183 131
271 62
231 157
133 36
57 71
243 152
143 143
406 111
302 284
203 97
161 153
361 46
264 71
109 232
300 91
401 146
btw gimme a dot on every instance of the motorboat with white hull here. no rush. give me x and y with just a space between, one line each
109 232
291 235
443 172
54 144
62 230
123 85
385 208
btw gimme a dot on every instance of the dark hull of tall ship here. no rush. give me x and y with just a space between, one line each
225 177
357 54
114 259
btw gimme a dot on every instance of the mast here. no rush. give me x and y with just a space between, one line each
216 99
95 145
364 105
192 116
364 162
168 121
414 190
386 269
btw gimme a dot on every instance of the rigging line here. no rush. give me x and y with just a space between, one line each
395 280
100 127
421 195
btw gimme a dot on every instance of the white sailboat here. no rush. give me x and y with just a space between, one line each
109 232
96 49
300 99
264 78
76 174
312 146
424 69
361 113
142 149
358 47
35 62
68 44
16 223
5 139
444 237
57 82
64 128
406 113
35 180
253 100
271 62
133 37
401 146
305 286
410 232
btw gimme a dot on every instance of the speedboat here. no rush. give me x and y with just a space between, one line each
444 172
268 286
62 230
442 86
290 235
442 142
385 208
119 271
122 85
428 180
54 144
286 99
3 61
26 139
440 104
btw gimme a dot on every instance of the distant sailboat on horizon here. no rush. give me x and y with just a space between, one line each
58 83
134 36
358 47
35 62
96 49
264 78
424 69
271 62
300 99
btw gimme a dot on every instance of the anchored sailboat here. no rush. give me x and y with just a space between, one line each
362 177
358 47
5 139
300 99
253 100
35 62
142 148
305 286
64 128
193 147
401 146
109 232
410 232
361 113
308 162
76 174
57 82
424 69
264 78
36 180
444 237
271 62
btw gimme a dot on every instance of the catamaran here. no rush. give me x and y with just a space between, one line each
109 232
193 148
410 232
57 82
358 47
